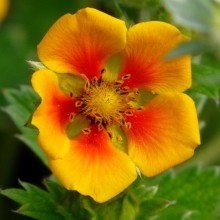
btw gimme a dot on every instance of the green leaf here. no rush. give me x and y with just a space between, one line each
21 104
57 203
195 14
138 202
195 190
152 207
55 189
206 80
35 202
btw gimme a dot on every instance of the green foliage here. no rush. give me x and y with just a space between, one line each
56 203
21 104
192 194
137 203
206 80
196 193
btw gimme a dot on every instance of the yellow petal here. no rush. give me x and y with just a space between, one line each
81 43
4 5
147 45
52 115
164 134
94 167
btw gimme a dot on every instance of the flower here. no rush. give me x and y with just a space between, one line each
111 102
4 4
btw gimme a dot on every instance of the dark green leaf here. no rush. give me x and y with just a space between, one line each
35 202
21 104
206 80
57 203
55 189
152 207
196 192
113 208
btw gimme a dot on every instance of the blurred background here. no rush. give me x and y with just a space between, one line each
22 26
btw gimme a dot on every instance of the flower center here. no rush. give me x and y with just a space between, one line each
102 102
106 103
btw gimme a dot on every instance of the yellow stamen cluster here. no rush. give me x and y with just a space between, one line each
105 103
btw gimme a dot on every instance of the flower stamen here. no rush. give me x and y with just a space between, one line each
105 103
102 71
86 130
126 76
71 116
78 104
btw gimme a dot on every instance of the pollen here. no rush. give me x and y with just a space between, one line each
106 103
103 103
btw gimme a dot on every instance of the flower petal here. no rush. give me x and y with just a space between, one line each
80 43
94 167
52 115
147 45
164 134
4 5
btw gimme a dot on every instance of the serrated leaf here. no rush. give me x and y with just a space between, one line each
39 214
17 195
35 202
152 207
196 192
60 204
143 191
55 189
21 104
57 203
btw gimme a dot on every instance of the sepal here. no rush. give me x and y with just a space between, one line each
71 84
36 65
75 128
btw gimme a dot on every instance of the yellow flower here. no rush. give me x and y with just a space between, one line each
111 102
4 4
